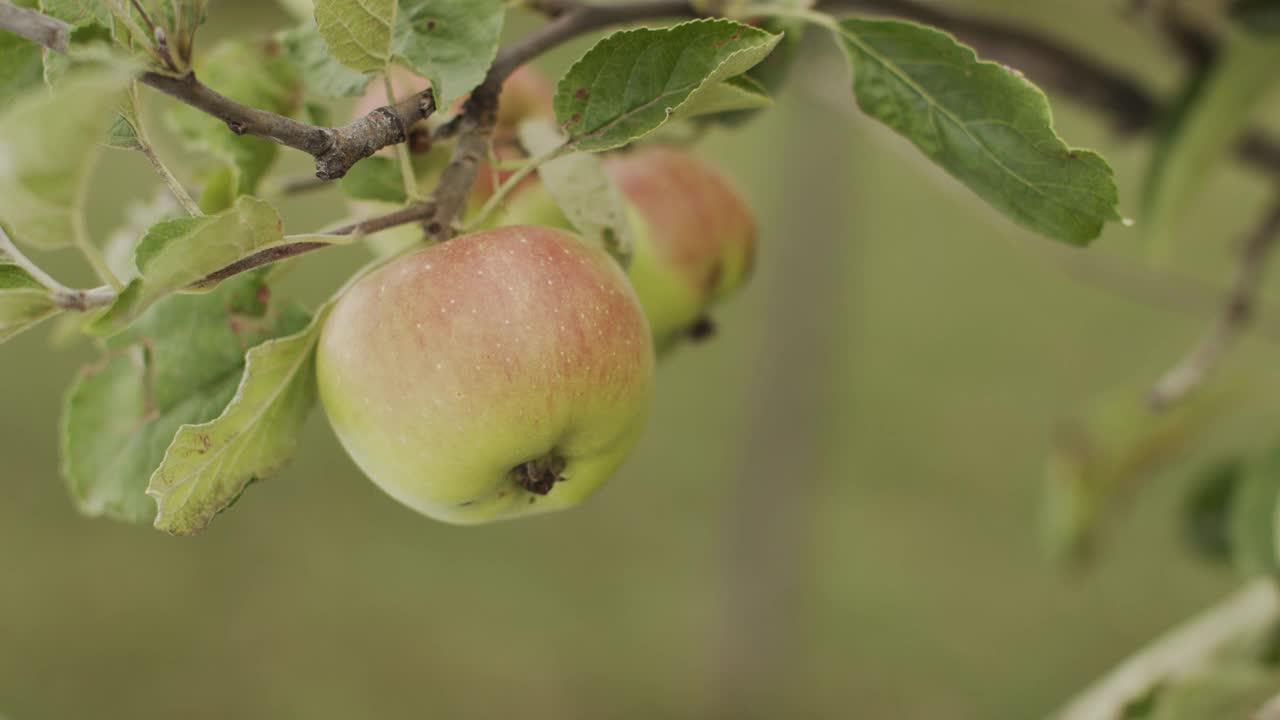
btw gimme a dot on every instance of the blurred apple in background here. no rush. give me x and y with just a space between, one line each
694 235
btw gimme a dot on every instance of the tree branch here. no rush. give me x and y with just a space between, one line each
62 296
1177 654
1111 92
1236 315
335 149
35 26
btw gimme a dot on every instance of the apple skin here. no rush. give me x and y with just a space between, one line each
696 242
694 235
458 375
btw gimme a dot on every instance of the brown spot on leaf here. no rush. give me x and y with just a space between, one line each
733 38
581 93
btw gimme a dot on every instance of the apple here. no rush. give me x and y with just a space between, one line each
500 374
695 242
694 235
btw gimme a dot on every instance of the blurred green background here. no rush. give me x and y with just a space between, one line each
833 513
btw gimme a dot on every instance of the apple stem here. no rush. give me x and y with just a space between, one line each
538 476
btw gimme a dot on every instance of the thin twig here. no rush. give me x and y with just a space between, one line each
1177 654
170 180
405 162
156 36
1236 315
506 188
148 150
63 296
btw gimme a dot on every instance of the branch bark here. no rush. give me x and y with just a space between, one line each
35 26
1236 315
335 149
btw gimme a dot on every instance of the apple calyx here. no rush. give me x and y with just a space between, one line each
538 476
704 328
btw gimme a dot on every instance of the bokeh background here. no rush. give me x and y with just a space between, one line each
833 513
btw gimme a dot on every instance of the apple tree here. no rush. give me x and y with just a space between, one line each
537 248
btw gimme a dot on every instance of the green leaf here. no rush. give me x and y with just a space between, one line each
450 42
582 189
1102 456
773 72
1217 107
358 32
981 122
375 178
140 215
1231 689
1206 516
24 301
23 67
733 95
208 466
321 74
378 177
175 254
253 73
123 133
632 81
87 43
179 365
1254 530
78 12
48 145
